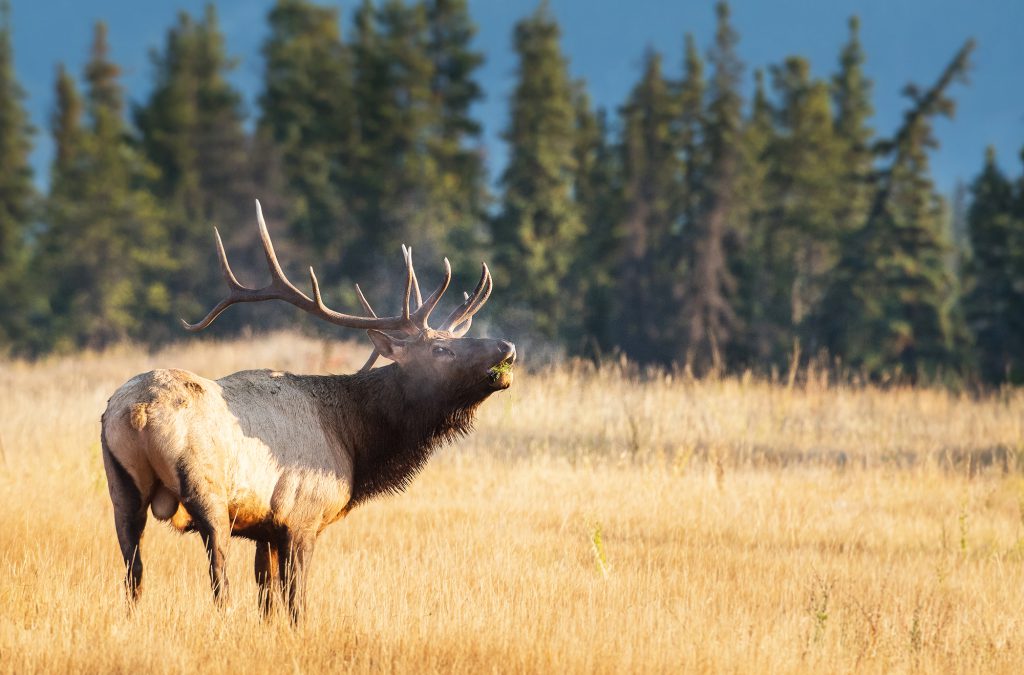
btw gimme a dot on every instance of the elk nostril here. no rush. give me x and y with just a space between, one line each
506 348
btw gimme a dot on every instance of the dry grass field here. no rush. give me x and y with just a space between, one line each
594 523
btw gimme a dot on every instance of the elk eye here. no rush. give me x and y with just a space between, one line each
444 351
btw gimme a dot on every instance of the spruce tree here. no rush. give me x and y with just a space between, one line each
807 175
66 127
307 124
994 300
17 195
889 306
399 194
762 309
692 122
537 231
851 95
191 131
707 307
597 192
651 180
105 234
1017 238
461 179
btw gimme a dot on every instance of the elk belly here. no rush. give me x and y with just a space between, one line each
247 510
309 500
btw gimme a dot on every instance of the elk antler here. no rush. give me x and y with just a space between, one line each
459 321
410 322
280 288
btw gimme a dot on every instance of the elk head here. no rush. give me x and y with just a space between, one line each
442 358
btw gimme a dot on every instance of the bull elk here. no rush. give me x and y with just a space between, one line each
276 457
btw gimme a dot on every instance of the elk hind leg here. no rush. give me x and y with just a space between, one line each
209 518
129 519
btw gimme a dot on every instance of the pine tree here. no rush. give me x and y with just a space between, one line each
994 301
707 310
889 306
461 181
105 233
538 230
17 195
651 179
307 123
191 130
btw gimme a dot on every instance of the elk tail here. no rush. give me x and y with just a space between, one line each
138 416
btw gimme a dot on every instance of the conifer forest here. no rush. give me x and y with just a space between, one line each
694 225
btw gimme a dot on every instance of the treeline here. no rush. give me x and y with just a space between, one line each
689 227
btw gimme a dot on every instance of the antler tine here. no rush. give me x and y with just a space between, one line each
409 274
225 266
473 303
321 307
460 311
480 301
407 251
464 327
369 310
422 314
280 288
276 273
364 302
232 281
476 305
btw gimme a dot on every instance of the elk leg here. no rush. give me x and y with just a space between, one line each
129 520
296 553
266 568
214 532
210 519
129 536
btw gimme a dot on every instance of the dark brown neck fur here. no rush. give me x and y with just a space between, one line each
389 426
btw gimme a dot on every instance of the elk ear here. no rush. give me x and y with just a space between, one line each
387 346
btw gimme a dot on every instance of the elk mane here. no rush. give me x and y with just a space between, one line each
396 430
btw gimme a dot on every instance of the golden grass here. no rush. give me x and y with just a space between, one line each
593 523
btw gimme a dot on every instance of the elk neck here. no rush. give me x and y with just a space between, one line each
389 425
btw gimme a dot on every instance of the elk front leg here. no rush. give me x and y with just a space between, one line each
295 554
266 568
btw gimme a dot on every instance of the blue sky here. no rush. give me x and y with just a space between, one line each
905 40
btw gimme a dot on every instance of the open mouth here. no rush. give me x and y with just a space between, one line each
500 375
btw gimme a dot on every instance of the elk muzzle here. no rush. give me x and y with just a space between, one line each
500 375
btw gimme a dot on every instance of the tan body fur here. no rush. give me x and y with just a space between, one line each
254 437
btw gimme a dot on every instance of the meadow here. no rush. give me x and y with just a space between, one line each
597 521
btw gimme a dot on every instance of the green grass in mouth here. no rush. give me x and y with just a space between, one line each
501 369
